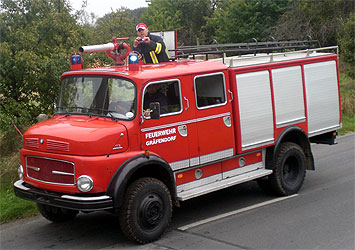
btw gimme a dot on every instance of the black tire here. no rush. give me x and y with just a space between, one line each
56 214
289 171
146 210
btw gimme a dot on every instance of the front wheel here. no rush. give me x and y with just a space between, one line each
146 210
56 214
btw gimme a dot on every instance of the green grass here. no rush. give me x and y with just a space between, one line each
12 207
347 90
348 125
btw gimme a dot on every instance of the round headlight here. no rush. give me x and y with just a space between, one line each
20 172
84 183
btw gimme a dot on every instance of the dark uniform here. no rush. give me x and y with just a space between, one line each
153 52
156 97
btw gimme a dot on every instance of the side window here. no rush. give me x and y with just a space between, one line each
210 90
167 93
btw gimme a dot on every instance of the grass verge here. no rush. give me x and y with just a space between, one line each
348 125
12 207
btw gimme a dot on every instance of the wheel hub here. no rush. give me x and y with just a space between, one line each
290 170
151 211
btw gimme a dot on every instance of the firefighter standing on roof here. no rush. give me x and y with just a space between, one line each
150 46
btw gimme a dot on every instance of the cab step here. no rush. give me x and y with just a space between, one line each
231 181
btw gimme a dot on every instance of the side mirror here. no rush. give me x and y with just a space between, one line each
155 110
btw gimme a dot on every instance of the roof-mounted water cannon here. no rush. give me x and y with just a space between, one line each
117 50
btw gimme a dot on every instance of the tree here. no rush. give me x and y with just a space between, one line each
242 20
37 38
320 19
186 16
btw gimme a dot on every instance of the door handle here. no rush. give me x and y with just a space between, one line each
187 103
230 92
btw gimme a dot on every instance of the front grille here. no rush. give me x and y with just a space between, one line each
32 143
50 170
57 146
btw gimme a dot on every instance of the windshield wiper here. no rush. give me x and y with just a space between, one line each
98 112
74 107
78 107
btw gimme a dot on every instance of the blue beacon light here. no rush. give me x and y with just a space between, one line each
133 62
133 58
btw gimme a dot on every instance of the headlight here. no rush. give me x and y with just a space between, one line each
84 183
20 172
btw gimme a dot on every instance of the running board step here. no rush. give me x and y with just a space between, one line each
208 188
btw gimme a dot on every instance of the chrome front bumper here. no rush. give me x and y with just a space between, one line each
76 202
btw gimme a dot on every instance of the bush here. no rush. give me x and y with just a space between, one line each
346 41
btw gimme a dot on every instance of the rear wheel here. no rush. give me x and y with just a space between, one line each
56 214
146 210
290 169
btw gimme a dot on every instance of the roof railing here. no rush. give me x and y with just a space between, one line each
307 52
244 48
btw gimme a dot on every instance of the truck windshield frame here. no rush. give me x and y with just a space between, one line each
98 95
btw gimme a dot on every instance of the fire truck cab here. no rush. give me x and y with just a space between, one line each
138 141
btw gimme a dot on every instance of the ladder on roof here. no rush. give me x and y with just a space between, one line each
244 48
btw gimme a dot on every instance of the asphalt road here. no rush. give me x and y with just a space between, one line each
321 216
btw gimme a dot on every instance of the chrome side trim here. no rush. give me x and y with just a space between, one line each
195 161
179 164
216 156
76 198
186 122
324 130
258 144
290 122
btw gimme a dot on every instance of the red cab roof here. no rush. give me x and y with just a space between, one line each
156 71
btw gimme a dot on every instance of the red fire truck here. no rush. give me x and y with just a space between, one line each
213 124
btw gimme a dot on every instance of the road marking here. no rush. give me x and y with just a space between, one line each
242 210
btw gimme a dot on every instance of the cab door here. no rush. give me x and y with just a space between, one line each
213 117
168 136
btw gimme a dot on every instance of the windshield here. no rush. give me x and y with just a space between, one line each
97 95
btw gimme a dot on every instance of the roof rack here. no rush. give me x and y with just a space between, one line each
244 48
250 59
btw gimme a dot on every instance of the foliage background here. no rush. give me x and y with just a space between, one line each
37 38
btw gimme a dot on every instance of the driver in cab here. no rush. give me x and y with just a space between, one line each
153 94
